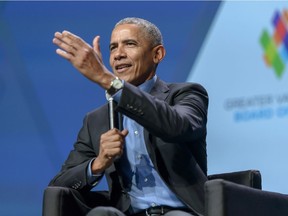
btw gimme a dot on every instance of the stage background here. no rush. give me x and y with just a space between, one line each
43 99
248 113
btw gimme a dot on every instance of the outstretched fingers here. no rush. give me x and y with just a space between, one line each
68 43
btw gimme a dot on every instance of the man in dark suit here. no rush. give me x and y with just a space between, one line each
157 164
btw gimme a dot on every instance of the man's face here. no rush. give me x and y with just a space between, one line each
131 56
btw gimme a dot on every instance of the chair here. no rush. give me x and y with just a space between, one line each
228 194
240 194
224 198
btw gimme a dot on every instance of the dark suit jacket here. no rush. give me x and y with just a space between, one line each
174 117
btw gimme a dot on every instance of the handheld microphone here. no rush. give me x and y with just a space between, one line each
115 118
114 122
111 113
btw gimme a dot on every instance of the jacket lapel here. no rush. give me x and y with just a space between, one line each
161 92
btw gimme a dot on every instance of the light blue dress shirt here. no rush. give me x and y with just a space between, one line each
141 181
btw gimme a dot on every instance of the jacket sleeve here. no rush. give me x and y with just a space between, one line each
182 114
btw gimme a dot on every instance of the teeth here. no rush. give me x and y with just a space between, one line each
122 66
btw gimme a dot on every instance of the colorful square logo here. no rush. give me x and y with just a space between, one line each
276 46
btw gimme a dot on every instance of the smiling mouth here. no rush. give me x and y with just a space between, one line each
122 67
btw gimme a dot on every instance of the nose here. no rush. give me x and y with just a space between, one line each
119 53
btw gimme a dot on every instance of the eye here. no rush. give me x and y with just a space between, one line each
112 48
131 43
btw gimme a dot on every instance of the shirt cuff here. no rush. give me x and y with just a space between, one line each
93 179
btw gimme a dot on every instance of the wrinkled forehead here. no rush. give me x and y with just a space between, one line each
128 31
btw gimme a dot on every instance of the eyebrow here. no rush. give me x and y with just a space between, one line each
124 41
111 45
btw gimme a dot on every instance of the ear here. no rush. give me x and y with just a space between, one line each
159 53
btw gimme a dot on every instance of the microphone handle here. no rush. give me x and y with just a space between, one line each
112 119
115 118
111 113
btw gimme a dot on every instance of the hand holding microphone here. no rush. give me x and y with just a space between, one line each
111 143
115 122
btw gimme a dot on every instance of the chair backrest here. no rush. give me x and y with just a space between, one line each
250 178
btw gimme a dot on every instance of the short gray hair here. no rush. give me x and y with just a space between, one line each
150 30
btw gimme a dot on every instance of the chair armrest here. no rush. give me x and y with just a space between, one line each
224 198
250 178
62 201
